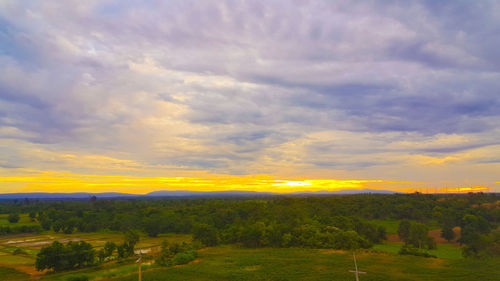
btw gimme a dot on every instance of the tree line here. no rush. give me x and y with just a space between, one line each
339 222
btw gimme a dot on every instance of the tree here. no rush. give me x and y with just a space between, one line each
109 248
153 225
165 255
121 251
131 237
349 240
79 254
471 227
418 235
61 257
404 230
57 225
381 233
101 254
206 234
253 236
286 240
487 245
127 248
13 218
447 232
51 257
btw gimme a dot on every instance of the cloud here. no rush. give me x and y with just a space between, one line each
243 87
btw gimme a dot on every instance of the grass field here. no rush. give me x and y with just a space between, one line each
12 274
233 263
24 219
391 226
236 263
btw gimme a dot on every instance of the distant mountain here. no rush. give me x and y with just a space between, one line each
209 193
175 193
184 193
74 195
348 191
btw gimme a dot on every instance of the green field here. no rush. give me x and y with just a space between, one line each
12 274
232 263
24 219
391 226
236 263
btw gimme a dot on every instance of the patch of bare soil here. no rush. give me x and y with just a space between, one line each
436 234
393 238
34 274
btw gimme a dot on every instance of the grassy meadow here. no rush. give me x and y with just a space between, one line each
233 263
24 219
236 263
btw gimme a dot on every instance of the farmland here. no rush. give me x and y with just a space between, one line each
30 245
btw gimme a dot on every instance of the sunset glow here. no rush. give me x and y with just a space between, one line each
138 96
57 182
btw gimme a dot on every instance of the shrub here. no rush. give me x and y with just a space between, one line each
19 251
185 257
13 218
409 250
176 254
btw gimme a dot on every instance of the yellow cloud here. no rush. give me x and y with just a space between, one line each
430 160
61 182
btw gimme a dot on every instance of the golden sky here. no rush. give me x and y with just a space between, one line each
60 182
136 96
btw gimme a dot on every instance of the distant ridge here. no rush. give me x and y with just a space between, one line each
348 191
209 193
73 195
184 193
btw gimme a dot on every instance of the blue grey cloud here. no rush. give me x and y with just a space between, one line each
224 85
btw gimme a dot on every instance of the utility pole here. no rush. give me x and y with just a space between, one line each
356 272
139 261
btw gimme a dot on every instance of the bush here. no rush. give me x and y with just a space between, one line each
19 251
176 254
409 250
13 218
185 257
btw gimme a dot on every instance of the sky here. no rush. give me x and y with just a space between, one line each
136 96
